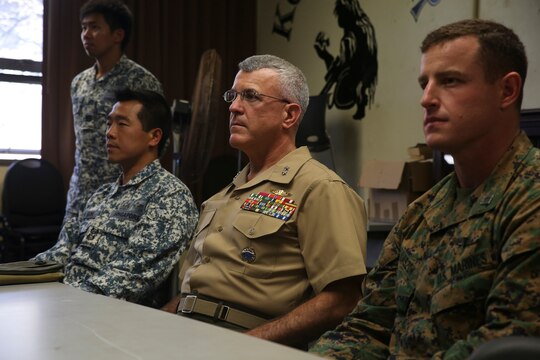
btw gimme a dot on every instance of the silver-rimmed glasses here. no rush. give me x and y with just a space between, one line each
248 95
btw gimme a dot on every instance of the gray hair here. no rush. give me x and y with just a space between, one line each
292 81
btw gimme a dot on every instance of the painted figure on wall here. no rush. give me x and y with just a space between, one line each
351 76
417 8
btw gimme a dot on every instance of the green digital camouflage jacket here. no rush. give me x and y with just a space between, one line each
454 272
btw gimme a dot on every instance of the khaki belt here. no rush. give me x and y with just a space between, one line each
191 304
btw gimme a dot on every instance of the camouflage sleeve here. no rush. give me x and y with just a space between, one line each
514 299
144 80
153 248
365 333
67 239
151 83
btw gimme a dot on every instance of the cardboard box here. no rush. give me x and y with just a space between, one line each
393 185
420 152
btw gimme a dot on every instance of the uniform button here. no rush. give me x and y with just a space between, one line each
206 259
251 231
220 228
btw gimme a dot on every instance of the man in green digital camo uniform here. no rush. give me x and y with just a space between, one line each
462 265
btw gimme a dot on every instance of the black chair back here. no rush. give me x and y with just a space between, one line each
33 204
312 131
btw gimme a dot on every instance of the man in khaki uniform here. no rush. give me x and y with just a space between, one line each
279 252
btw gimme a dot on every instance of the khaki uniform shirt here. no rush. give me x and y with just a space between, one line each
455 272
269 243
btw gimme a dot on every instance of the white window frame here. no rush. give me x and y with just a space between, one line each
21 71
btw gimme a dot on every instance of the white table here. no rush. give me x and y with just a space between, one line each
56 321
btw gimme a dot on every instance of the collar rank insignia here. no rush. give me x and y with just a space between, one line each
277 206
486 200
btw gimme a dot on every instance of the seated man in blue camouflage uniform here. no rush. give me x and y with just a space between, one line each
461 266
131 232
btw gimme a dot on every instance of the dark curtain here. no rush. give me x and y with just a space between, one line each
168 39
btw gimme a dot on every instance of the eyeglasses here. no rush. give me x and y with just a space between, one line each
248 95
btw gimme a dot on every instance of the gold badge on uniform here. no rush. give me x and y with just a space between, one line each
280 192
277 206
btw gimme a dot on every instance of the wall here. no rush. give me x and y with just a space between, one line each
523 16
393 123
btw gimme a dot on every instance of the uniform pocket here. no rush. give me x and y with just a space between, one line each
466 290
254 225
105 239
460 306
204 220
260 232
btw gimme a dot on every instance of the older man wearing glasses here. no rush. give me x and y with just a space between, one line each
280 252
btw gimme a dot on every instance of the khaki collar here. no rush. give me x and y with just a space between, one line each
281 173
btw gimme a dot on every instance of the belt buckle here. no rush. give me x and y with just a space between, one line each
187 304
223 312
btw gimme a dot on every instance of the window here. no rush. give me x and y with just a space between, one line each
21 55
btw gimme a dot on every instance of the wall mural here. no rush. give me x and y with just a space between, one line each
351 75
416 9
283 20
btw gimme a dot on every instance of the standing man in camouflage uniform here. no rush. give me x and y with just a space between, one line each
461 266
132 231
106 29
